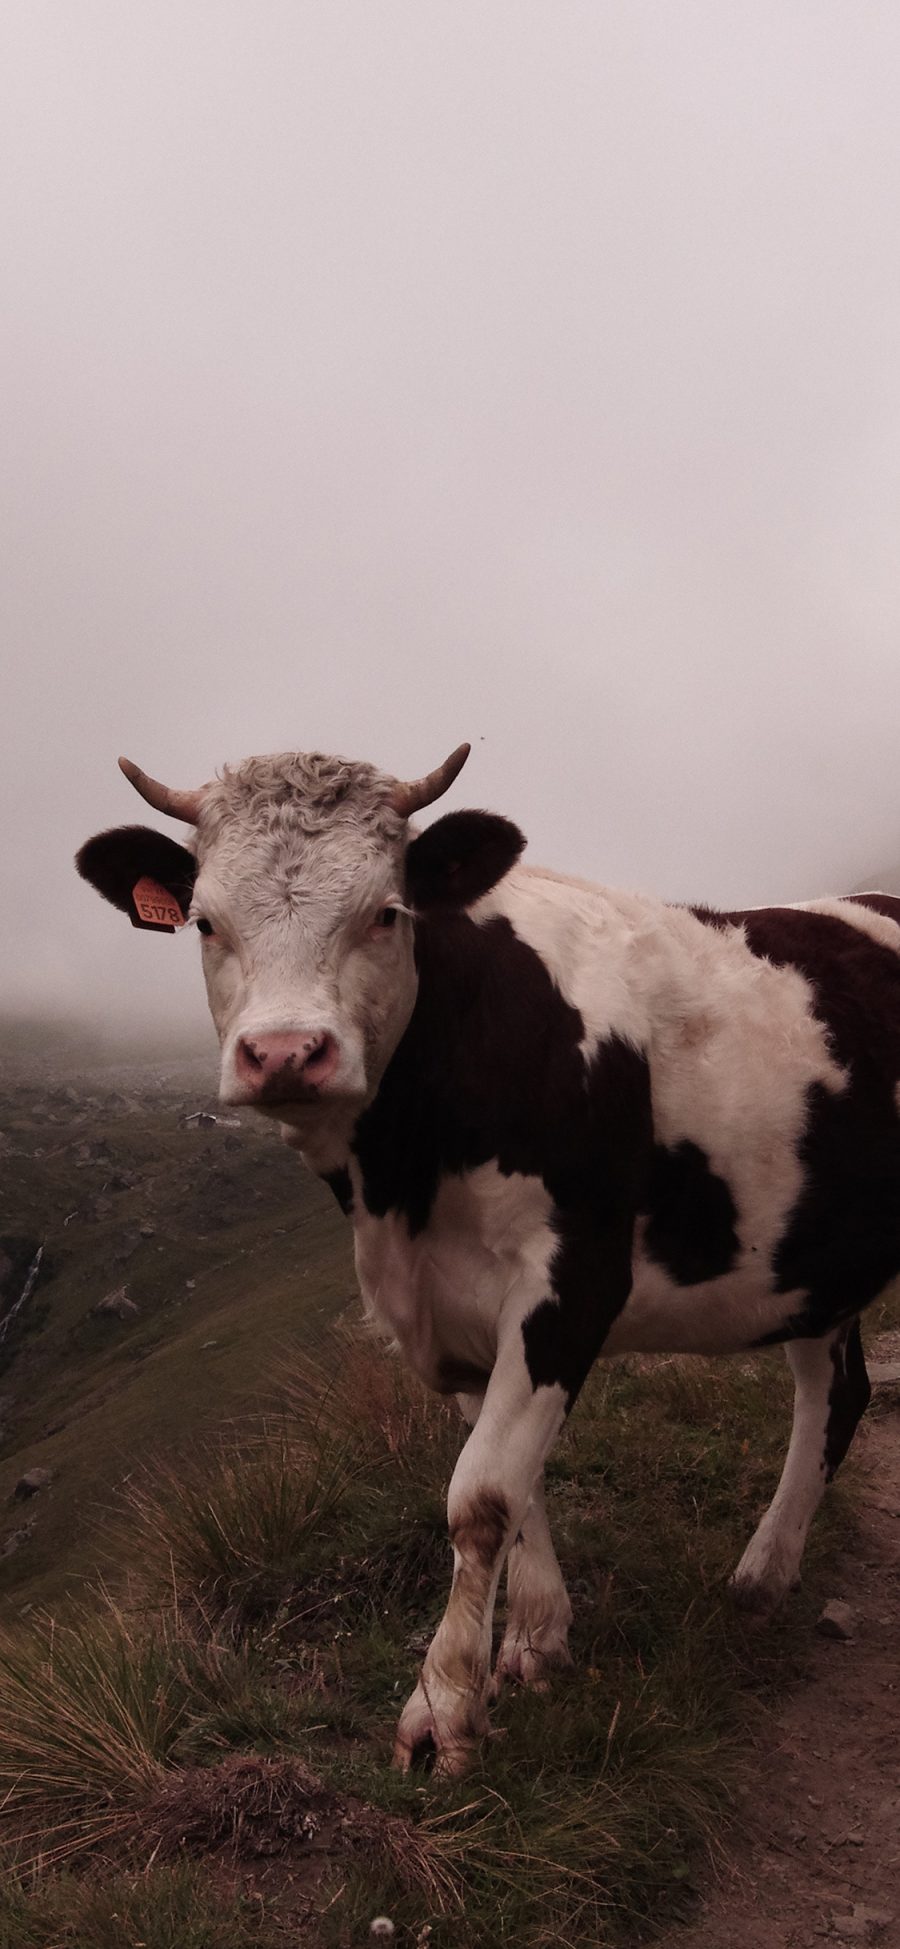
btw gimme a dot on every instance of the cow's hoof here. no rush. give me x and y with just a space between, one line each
759 1598
764 1576
756 1601
438 1733
529 1661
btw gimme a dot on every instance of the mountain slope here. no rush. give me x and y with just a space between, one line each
217 1249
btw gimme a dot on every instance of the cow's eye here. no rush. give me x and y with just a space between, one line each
204 926
387 917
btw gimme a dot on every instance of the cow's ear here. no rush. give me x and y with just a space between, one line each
144 873
459 858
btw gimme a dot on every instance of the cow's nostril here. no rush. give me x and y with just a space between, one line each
320 1055
249 1055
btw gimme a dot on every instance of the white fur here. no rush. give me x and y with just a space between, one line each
485 1251
734 1045
538 1611
878 926
771 1562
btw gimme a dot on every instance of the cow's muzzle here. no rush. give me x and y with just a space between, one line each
284 1067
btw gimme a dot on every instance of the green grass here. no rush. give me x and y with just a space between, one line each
165 1908
98 1704
334 1496
288 1581
270 1515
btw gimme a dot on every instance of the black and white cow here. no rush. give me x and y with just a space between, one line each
567 1122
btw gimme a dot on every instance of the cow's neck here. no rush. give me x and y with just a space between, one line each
489 1059
491 1055
325 1145
452 957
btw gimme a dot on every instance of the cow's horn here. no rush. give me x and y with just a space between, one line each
407 799
178 805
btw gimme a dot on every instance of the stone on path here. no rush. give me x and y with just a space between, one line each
837 1620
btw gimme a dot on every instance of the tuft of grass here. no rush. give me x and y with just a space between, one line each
96 1708
90 1711
349 1386
238 1525
164 1908
337 1490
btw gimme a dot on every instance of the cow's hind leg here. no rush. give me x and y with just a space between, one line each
831 1393
538 1612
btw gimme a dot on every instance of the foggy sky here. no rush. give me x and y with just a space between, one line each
378 375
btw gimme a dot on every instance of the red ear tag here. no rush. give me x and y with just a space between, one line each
155 906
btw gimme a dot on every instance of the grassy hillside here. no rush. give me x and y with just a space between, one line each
225 1248
194 1755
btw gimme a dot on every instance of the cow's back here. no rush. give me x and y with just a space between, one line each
792 1107
773 1041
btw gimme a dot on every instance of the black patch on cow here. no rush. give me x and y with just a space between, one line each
553 1357
113 861
459 1376
591 1269
841 1246
460 858
849 1396
490 1069
691 1216
339 1182
793 1329
711 917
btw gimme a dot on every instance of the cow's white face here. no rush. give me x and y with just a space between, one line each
309 967
307 946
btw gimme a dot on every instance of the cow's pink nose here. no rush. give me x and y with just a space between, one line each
279 1065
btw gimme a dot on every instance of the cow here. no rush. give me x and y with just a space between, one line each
566 1122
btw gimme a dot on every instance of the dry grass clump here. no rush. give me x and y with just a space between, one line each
353 1389
323 1489
95 1708
255 1808
164 1907
239 1523
89 1713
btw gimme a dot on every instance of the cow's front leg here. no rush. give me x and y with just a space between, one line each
538 1610
486 1507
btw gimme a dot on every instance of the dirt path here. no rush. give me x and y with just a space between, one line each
819 1855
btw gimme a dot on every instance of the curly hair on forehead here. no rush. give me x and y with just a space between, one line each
303 792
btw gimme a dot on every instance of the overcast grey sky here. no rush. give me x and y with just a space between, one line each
380 373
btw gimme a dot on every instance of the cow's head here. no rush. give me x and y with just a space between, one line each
304 882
